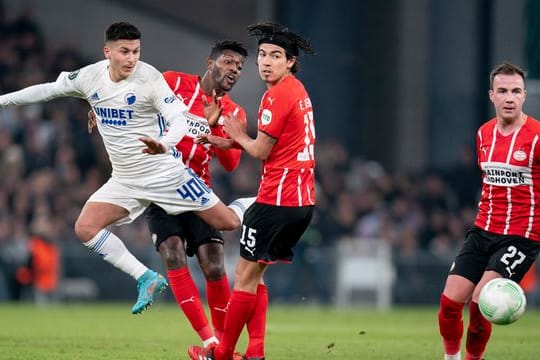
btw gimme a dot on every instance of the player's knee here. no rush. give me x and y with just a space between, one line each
172 253
213 271
84 230
173 262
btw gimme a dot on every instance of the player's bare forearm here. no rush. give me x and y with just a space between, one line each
249 145
260 147
216 141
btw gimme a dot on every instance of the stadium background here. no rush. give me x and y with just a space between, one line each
399 88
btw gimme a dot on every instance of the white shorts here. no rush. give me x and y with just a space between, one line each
174 192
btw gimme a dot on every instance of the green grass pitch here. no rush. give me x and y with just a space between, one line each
110 331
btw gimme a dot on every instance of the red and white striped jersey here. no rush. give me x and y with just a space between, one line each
187 88
510 200
288 177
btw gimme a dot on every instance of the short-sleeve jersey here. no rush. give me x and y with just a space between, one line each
288 174
127 110
187 88
510 199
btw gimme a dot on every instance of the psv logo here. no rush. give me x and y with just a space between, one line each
519 155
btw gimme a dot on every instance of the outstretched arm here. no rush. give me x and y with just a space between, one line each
32 94
259 147
65 85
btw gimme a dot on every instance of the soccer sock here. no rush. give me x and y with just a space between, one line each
187 296
239 206
478 333
218 294
456 356
256 324
451 324
113 250
240 309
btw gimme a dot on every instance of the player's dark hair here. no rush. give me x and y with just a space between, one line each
277 34
506 68
220 46
122 31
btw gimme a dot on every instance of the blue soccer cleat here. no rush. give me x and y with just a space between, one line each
148 286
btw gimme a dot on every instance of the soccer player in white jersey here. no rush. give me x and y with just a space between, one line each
134 105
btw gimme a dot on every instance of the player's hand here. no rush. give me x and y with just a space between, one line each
234 126
217 141
92 121
153 147
212 108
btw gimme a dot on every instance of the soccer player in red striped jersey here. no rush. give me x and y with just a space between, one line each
285 202
505 238
179 236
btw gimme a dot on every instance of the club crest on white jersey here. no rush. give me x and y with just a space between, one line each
130 98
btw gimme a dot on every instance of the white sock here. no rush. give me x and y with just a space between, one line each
456 356
113 250
239 206
210 340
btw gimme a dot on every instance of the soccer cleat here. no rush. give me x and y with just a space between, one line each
148 286
201 353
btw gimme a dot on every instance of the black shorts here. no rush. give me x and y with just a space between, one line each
509 255
188 226
269 232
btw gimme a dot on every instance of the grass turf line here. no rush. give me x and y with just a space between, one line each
110 331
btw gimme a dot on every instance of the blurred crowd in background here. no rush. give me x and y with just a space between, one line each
50 165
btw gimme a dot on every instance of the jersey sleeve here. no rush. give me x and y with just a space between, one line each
478 146
171 109
274 111
65 85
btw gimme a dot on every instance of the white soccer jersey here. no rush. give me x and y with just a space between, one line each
126 110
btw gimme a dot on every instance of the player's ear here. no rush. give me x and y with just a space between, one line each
291 62
209 64
106 52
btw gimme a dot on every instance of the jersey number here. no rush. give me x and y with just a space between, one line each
309 127
512 258
248 237
193 189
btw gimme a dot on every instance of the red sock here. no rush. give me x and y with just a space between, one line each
451 324
218 294
188 298
478 333
256 324
240 309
